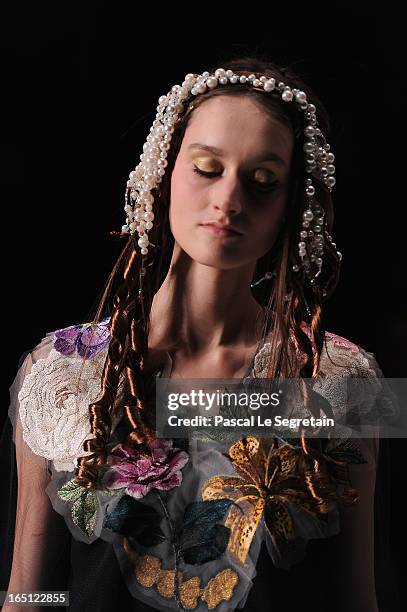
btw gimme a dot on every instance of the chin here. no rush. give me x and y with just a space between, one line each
216 258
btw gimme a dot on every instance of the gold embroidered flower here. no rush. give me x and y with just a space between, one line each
267 483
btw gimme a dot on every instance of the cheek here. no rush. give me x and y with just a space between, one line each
267 221
182 201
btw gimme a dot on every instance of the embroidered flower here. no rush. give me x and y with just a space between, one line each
266 486
54 407
83 339
157 467
339 341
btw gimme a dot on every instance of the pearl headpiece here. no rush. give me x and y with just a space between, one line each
149 172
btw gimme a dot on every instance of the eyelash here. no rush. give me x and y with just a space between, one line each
268 186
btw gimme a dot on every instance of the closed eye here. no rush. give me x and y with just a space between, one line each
262 186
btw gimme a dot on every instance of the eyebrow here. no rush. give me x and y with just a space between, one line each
267 155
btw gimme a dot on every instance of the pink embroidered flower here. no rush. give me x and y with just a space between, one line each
339 341
158 467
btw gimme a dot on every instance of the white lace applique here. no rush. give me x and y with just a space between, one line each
350 379
54 405
261 361
339 357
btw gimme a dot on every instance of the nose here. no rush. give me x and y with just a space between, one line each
227 194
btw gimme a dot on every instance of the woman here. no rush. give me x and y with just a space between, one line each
228 260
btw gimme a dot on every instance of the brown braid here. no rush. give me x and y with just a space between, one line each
126 353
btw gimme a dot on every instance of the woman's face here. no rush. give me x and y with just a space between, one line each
233 169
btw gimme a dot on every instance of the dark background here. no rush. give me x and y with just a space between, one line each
80 84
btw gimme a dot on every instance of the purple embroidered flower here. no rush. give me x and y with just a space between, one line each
159 467
83 339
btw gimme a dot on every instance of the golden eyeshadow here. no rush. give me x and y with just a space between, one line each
263 175
205 163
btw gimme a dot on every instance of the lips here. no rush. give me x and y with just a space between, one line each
222 229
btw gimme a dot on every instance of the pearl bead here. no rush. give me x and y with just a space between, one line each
301 97
269 85
148 216
309 147
243 79
212 82
144 251
309 131
220 72
125 229
287 95
303 234
308 215
223 80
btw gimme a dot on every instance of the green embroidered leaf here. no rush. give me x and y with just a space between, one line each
201 538
71 491
346 450
84 505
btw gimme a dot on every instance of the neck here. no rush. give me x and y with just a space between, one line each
202 308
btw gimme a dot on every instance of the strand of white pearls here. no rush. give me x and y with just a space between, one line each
153 161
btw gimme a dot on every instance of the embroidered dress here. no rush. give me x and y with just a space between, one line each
198 525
